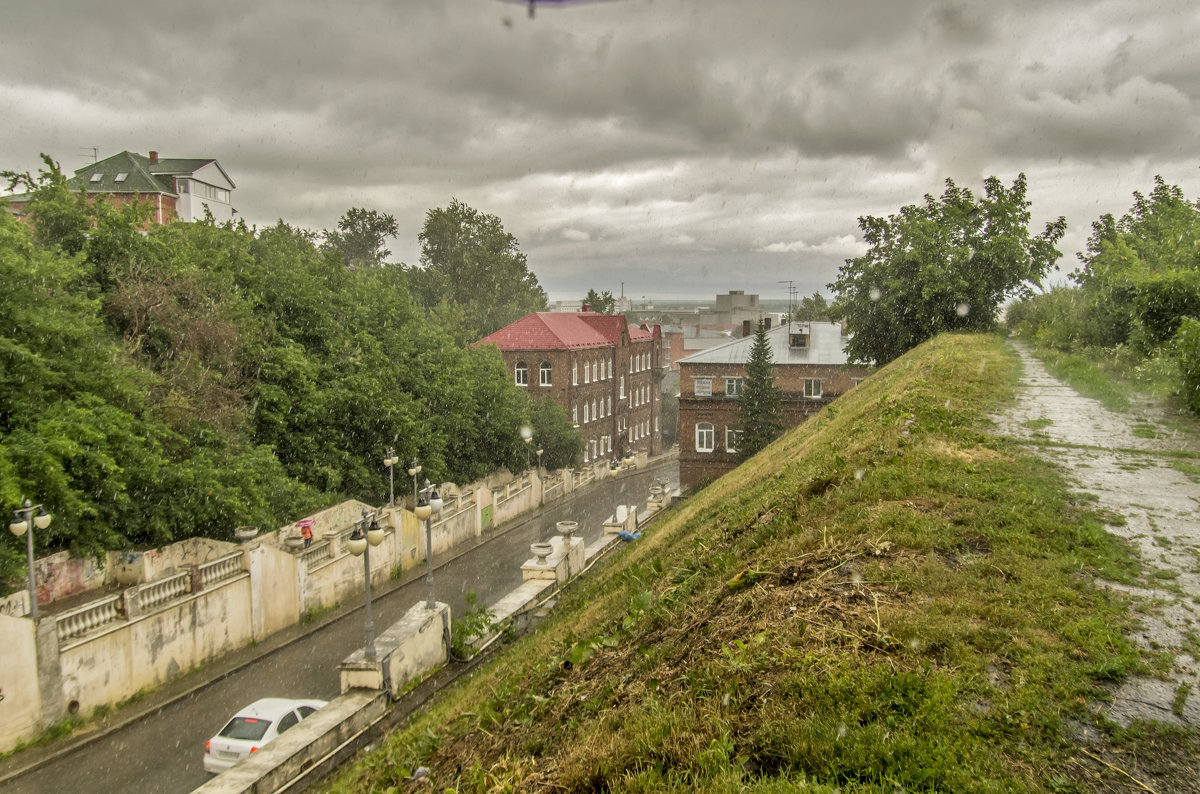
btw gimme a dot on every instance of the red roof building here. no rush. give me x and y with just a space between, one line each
603 370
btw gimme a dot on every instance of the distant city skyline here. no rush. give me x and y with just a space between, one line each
684 148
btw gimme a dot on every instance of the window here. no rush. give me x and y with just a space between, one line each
812 387
594 414
587 372
575 374
702 387
733 439
121 177
182 186
610 405
575 414
622 387
586 419
522 374
799 340
545 374
96 177
733 387
287 721
704 437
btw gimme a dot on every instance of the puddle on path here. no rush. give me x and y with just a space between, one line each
1109 455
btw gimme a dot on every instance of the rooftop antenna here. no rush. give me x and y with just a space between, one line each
95 150
791 295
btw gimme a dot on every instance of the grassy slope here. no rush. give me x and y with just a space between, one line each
886 597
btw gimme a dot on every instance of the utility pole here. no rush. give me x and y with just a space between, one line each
791 295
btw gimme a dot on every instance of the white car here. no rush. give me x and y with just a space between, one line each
252 727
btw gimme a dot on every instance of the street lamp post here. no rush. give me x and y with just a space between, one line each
527 437
614 468
390 461
414 468
429 505
367 533
24 520
542 499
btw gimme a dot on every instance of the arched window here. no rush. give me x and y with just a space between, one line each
545 373
704 437
522 374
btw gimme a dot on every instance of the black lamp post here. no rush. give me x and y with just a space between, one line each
367 533
24 520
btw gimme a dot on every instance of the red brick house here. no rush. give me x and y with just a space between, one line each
599 367
811 370
177 188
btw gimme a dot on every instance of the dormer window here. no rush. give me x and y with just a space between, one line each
121 177
799 340
96 177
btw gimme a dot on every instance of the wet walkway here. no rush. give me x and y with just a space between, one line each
1140 465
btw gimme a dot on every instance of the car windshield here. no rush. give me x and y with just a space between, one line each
245 728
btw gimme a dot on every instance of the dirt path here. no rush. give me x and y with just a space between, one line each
1129 462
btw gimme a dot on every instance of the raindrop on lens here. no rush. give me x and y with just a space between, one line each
859 474
841 730
963 309
876 294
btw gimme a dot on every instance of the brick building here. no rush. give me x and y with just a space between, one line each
810 370
177 188
600 368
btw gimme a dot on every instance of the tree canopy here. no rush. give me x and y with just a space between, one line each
164 382
760 405
600 302
469 260
361 236
946 265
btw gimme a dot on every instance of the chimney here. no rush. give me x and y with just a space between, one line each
745 328
767 322
153 157
587 307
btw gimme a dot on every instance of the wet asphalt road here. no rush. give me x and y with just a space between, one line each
162 753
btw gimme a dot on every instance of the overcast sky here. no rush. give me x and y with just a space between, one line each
684 147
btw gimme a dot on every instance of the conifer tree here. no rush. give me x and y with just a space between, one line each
760 406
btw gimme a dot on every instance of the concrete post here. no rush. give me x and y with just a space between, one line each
50 673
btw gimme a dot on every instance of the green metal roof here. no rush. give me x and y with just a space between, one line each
141 176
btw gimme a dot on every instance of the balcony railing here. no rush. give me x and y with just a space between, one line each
87 618
164 590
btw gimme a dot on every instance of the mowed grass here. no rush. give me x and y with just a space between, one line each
887 598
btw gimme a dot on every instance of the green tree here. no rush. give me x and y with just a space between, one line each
813 308
947 265
360 237
469 259
760 405
601 302
561 445
1139 274
60 217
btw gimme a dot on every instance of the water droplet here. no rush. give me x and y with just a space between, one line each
859 474
841 730
875 294
963 309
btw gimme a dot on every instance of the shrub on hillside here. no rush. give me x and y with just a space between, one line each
1187 348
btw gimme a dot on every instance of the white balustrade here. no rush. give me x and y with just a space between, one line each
164 590
86 618
316 554
220 569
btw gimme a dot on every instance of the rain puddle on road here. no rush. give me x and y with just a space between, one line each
1129 463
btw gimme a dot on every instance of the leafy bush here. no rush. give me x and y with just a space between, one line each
1187 348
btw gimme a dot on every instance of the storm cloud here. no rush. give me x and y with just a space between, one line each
683 148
